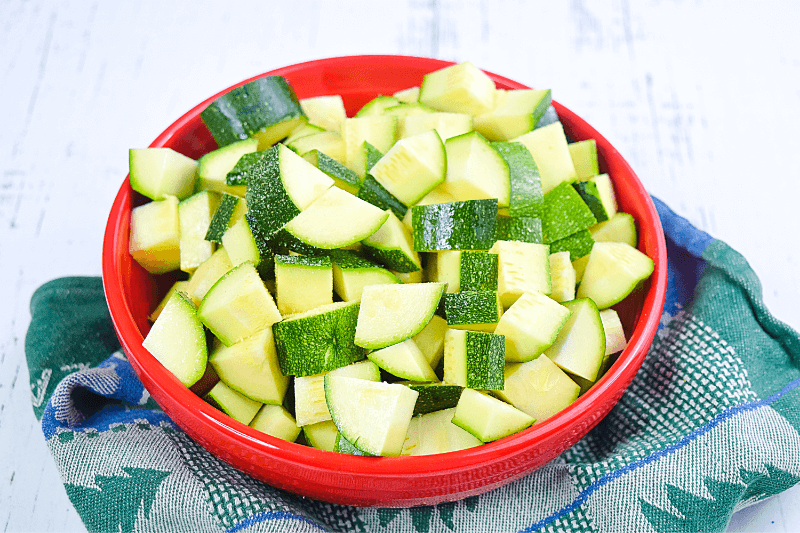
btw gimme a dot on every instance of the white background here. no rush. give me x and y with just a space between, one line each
702 98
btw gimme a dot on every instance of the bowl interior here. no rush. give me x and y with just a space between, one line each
132 293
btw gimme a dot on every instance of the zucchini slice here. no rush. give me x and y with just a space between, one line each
435 228
438 434
538 388
275 420
548 146
392 313
351 273
266 108
343 177
412 167
488 418
373 192
461 88
530 326
430 340
374 417
213 168
475 170
377 105
526 195
234 404
328 142
178 341
404 360
228 212
584 157
435 396
613 271
473 310
446 124
615 335
161 172
321 435
195 214
378 131
523 229
318 340
238 306
474 359
336 219
251 367
564 213
393 246
562 277
325 111
154 240
619 228
178 286
521 267
207 275
279 186
303 283
581 344
514 113
309 391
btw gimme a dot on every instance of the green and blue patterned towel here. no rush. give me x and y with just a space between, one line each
709 425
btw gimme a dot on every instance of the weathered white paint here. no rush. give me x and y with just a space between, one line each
701 97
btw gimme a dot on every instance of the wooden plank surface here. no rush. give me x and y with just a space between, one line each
701 97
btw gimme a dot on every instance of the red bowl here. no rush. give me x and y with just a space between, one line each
379 481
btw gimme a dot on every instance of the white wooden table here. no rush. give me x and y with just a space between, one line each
702 99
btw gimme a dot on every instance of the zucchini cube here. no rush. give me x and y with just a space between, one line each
564 212
303 283
155 236
474 359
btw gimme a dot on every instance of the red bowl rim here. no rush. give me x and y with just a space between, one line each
621 373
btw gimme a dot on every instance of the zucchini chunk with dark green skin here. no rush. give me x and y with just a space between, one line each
526 194
524 229
467 225
435 396
564 213
473 310
280 185
474 359
266 108
488 418
318 340
373 192
579 244
220 222
392 246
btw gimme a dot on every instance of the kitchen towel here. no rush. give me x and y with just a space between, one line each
708 426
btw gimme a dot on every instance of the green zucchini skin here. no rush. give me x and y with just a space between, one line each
394 260
303 344
478 271
590 194
524 229
579 244
238 174
373 192
222 216
465 225
564 213
250 109
471 307
435 397
269 207
526 186
344 177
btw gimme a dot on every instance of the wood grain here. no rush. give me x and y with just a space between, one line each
701 97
